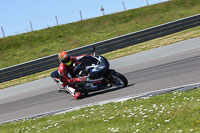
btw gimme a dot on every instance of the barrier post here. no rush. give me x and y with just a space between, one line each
81 15
147 2
3 32
56 20
31 25
102 9
124 5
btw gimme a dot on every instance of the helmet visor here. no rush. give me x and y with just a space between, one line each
68 63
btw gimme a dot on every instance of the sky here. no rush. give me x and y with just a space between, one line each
16 15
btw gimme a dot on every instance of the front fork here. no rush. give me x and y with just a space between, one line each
108 78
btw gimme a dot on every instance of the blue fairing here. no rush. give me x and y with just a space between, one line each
96 66
99 69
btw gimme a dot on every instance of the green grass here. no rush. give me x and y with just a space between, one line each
33 45
172 112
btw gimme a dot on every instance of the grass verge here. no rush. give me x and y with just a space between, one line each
180 36
37 44
172 112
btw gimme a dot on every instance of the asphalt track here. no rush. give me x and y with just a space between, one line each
174 65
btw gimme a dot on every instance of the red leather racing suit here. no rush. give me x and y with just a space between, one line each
66 74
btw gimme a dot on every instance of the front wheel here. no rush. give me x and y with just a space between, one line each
118 80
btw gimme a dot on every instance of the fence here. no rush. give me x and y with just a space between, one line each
134 38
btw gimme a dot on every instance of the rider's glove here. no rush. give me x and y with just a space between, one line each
84 79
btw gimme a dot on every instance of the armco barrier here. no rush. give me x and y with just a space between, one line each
49 62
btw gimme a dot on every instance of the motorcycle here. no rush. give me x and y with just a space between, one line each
100 76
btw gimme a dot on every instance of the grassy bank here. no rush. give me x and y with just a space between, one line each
173 112
49 41
180 36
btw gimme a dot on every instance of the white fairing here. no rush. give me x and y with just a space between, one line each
97 67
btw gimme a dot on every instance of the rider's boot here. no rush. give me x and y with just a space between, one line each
77 95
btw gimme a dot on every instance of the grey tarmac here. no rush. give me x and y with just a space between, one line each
165 67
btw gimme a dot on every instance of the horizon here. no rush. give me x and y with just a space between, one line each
41 16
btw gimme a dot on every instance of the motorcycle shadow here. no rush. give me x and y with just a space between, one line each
100 92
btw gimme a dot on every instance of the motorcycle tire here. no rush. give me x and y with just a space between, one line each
118 80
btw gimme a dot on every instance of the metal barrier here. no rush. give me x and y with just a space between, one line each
134 38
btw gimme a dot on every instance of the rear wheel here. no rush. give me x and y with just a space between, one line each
118 80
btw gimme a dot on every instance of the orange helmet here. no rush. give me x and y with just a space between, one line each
64 58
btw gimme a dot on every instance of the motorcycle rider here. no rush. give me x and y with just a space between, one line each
65 76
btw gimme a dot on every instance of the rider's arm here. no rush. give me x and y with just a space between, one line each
66 79
77 58
60 77
74 80
62 71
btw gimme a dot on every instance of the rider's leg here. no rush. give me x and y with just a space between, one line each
55 75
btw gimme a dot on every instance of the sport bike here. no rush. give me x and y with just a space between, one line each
100 76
